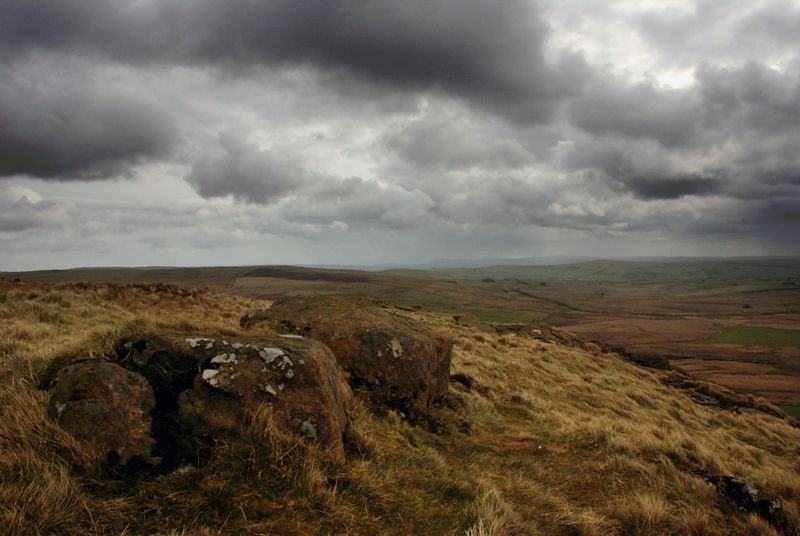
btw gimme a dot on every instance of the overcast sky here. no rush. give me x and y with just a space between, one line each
222 132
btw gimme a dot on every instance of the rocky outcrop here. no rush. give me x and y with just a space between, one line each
209 387
399 360
107 408
163 399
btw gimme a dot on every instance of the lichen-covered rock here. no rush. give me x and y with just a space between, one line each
750 499
105 407
210 386
399 359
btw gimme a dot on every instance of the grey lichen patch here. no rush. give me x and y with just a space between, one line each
195 342
269 389
290 336
224 358
290 374
308 429
285 362
395 347
270 354
209 376
184 469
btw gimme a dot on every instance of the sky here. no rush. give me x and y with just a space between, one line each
242 132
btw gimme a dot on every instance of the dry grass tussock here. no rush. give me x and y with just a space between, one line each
547 440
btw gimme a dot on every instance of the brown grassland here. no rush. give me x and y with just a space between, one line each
690 312
548 440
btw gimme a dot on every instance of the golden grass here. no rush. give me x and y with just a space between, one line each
549 440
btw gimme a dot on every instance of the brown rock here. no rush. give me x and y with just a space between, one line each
398 358
214 385
106 407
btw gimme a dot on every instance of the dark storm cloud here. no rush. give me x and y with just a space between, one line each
734 132
491 53
246 173
783 211
642 169
65 128
672 187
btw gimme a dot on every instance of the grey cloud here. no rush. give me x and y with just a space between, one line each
751 97
246 173
516 202
459 114
640 111
22 210
361 203
491 53
56 126
453 140
717 30
774 22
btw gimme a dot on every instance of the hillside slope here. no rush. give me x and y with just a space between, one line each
535 438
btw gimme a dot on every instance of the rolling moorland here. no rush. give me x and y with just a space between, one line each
537 437
736 323
540 432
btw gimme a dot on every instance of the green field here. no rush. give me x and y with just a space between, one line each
484 308
756 336
792 411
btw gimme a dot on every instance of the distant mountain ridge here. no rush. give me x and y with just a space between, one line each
547 260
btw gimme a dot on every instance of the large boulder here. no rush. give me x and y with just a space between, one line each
207 388
107 408
400 360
